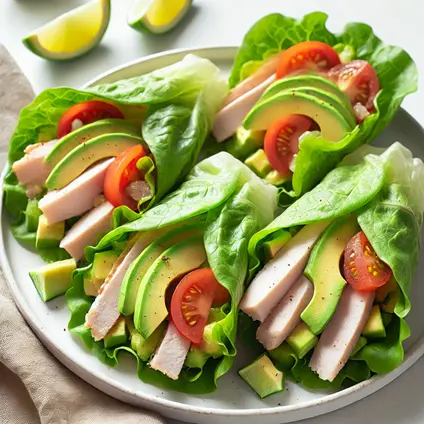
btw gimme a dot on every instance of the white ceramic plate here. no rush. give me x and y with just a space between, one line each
233 401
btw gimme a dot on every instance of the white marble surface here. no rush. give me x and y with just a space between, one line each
223 22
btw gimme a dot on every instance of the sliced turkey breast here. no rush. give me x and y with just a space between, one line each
77 197
88 230
279 274
286 315
170 355
230 117
339 338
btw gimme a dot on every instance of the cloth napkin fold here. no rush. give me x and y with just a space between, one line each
34 386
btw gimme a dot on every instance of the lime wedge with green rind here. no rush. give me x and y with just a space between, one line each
157 16
72 34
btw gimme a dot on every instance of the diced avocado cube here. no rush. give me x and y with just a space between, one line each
209 345
388 295
145 347
362 341
262 376
374 328
258 163
102 264
91 286
302 340
49 236
216 314
276 178
32 214
54 279
196 358
272 247
245 142
283 356
117 335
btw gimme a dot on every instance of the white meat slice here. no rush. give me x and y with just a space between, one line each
88 230
264 72
31 169
170 355
286 315
104 311
342 333
77 197
279 274
230 117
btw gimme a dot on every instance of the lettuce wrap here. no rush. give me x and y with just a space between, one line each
397 74
384 189
231 203
174 108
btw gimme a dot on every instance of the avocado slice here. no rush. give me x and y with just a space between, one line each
323 269
106 126
374 328
277 178
209 344
245 142
54 279
387 296
362 341
302 340
145 347
262 376
32 214
49 236
87 154
150 308
283 356
139 267
332 125
273 246
196 358
102 264
258 163
117 335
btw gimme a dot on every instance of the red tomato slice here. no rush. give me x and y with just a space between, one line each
363 269
282 140
221 296
358 80
87 112
122 171
311 55
192 301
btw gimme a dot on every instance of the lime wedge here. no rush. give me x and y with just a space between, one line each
73 34
157 16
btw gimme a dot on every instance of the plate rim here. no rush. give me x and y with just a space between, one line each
103 382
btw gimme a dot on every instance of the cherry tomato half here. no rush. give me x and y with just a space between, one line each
363 269
87 112
309 55
358 80
122 171
282 140
192 301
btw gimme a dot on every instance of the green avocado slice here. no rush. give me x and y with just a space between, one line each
178 260
106 126
87 154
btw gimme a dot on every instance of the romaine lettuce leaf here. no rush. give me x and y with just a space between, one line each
396 71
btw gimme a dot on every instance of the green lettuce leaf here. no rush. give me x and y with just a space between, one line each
396 71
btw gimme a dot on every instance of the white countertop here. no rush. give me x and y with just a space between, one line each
223 22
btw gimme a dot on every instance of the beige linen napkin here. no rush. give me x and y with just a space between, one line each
34 386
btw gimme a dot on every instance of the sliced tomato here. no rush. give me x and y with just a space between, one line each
282 140
192 301
309 55
123 171
221 296
363 269
358 80
87 112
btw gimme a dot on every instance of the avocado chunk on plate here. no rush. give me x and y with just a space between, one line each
262 376
387 296
139 267
72 140
374 328
178 260
102 264
54 279
196 358
302 340
323 270
258 163
145 347
117 335
277 178
87 154
245 142
49 236
332 124
273 246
